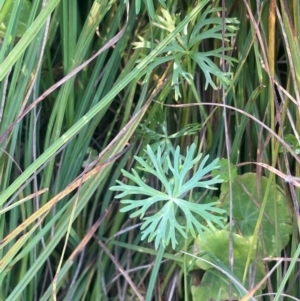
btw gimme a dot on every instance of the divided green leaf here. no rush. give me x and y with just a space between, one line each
184 50
162 226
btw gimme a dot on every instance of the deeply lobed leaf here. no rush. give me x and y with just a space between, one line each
163 225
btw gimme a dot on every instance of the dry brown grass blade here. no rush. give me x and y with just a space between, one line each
93 169
119 267
259 285
132 124
29 197
16 248
287 178
109 44
48 206
89 235
292 152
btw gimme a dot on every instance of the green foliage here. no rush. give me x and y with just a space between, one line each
149 5
56 218
6 13
246 207
160 130
156 130
184 49
224 171
163 224
217 243
293 142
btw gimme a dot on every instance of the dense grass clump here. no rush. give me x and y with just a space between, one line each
149 150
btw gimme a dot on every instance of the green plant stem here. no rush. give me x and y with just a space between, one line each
287 275
154 273
186 297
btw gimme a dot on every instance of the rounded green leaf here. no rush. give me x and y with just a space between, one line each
214 281
246 207
215 285
217 243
